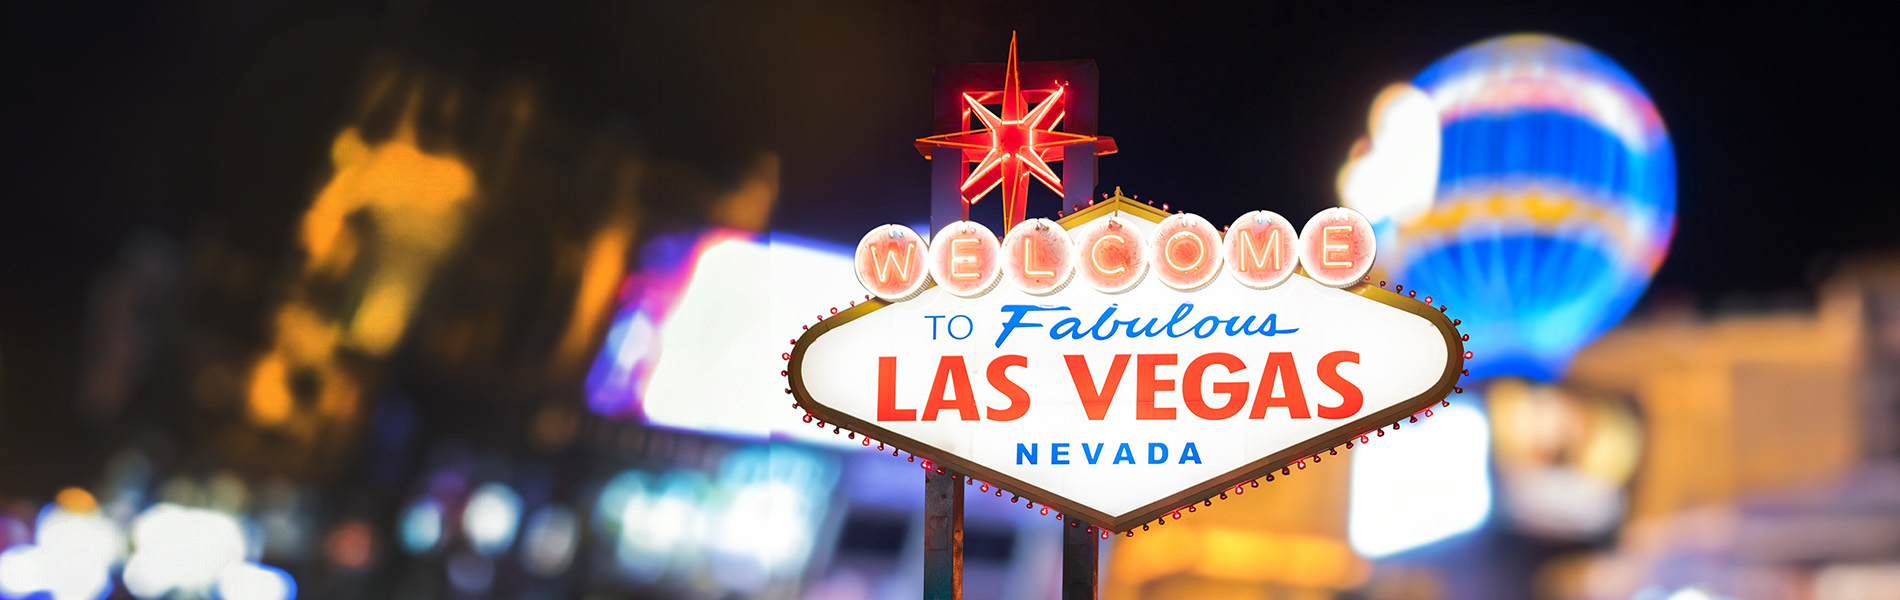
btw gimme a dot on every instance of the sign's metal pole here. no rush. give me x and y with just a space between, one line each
943 493
943 535
1081 553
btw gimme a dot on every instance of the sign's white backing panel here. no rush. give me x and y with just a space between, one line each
1055 445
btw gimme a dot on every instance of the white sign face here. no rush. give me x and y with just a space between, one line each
1118 407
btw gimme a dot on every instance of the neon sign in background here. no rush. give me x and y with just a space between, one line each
684 350
1527 181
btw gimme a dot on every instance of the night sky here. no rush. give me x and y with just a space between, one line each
175 117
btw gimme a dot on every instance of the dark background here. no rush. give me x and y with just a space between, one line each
179 116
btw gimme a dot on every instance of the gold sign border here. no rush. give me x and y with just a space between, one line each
1454 366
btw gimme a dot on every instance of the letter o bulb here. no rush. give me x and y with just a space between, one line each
1186 251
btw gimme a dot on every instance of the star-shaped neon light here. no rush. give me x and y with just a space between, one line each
1017 144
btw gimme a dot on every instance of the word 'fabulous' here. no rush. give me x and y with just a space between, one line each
1038 256
1181 324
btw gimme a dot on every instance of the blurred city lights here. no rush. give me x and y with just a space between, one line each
75 500
416 201
707 350
82 536
1423 483
181 549
772 515
13 531
252 581
668 525
226 493
1394 171
752 523
1692 593
126 476
765 529
600 278
696 360
673 520
22 571
1563 459
72 554
491 517
470 572
27 569
283 519
624 363
617 497
552 535
1249 554
351 545
1857 581
390 213
420 526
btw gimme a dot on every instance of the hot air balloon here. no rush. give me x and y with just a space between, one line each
1526 182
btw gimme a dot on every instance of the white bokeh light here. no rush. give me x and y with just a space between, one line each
766 522
71 559
716 373
252 581
1425 482
1397 176
490 518
180 549
551 536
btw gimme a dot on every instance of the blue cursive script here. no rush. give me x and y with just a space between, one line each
1106 326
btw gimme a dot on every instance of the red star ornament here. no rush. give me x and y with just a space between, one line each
1018 144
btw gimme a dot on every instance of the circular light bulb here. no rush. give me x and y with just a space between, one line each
965 258
1337 247
890 262
1038 257
1260 249
1112 254
1186 251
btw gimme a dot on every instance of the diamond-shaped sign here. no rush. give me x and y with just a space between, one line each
1117 408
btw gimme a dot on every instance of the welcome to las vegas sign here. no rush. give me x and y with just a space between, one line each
1123 363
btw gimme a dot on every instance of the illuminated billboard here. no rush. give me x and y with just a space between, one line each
1182 364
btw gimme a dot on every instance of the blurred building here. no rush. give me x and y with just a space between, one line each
1770 470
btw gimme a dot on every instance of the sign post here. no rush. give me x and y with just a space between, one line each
943 535
1081 555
